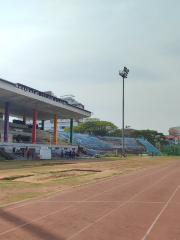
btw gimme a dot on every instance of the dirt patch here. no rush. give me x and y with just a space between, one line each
39 178
16 177
49 176
87 170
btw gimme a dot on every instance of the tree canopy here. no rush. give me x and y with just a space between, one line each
101 128
155 138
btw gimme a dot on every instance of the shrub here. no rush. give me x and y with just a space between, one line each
2 159
116 155
107 155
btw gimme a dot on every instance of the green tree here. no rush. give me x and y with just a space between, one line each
171 150
67 129
101 128
157 139
116 133
76 129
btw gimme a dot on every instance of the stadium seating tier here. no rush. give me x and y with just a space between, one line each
97 144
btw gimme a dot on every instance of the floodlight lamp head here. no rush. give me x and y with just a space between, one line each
124 73
121 73
126 70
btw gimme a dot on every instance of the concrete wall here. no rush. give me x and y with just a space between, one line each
58 148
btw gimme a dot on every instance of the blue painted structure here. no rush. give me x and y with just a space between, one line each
94 144
149 147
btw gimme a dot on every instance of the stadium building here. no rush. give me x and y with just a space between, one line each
20 101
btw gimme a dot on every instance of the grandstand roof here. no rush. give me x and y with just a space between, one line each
24 99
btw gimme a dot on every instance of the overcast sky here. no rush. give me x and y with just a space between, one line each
78 47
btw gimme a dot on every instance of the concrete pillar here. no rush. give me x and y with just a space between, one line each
71 131
6 121
34 126
24 120
55 128
42 125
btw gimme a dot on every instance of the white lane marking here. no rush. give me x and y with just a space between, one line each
152 225
80 187
47 215
118 207
105 202
147 202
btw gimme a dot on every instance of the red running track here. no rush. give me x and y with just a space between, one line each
136 206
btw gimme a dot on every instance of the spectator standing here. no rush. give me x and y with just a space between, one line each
28 154
62 154
77 154
19 138
23 150
73 154
67 155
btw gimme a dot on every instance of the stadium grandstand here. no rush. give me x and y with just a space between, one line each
24 102
92 144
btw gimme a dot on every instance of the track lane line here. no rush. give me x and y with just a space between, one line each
158 216
47 215
102 202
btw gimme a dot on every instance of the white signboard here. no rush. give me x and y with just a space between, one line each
45 153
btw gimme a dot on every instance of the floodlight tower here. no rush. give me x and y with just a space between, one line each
123 74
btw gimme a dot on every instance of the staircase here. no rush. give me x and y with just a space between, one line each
149 147
5 154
